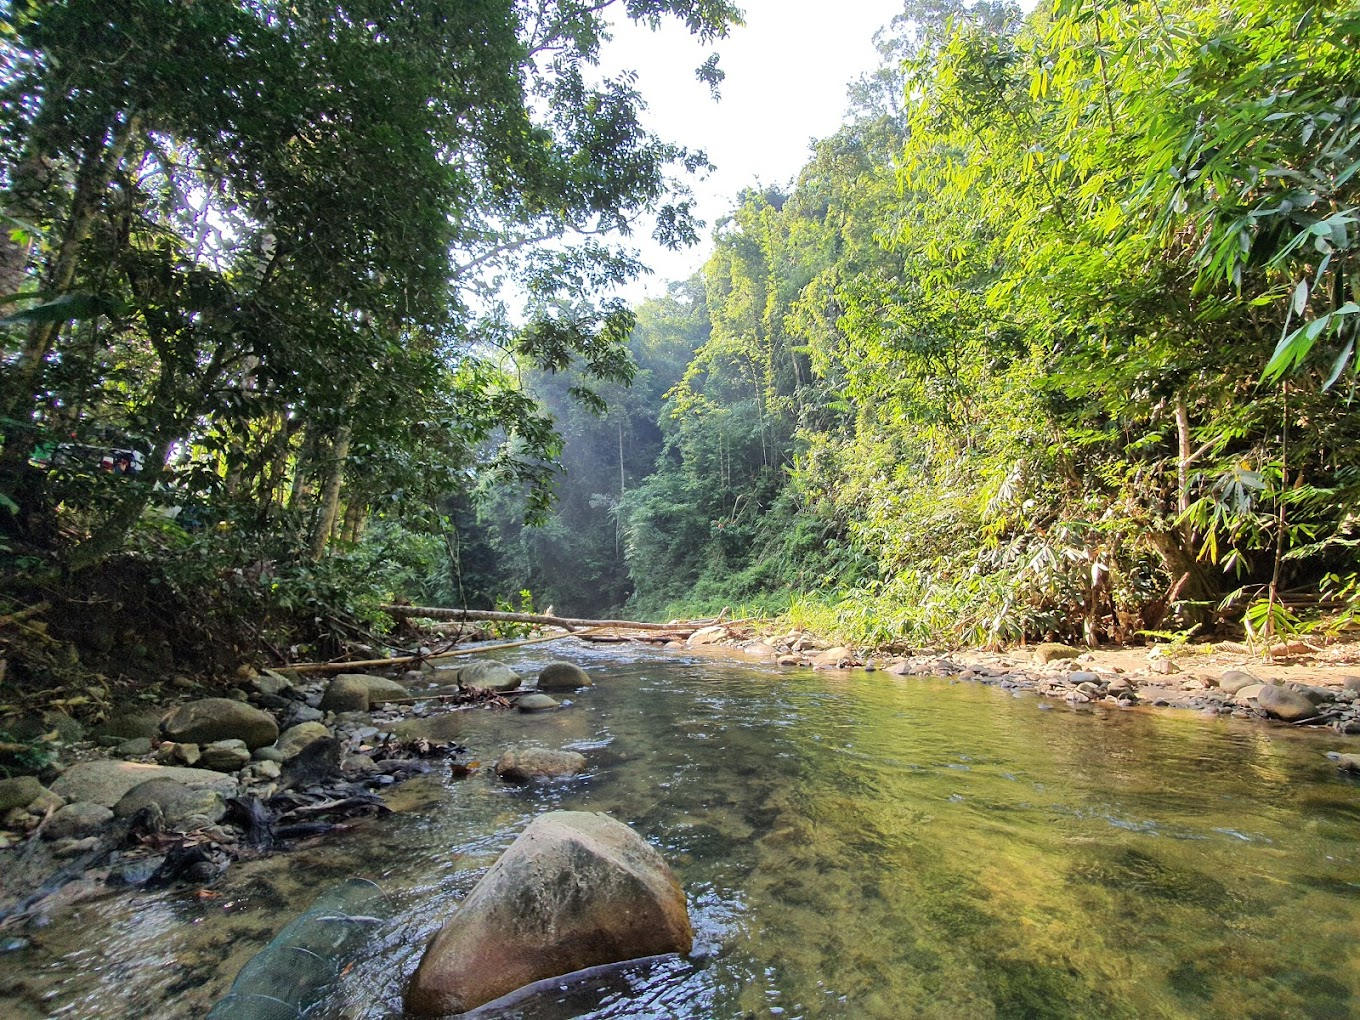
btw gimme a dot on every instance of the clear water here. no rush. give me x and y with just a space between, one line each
853 846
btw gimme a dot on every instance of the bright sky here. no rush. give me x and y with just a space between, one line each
787 73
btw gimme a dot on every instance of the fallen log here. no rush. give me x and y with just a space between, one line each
492 616
402 660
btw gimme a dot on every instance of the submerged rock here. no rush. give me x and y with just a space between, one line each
562 676
575 890
528 763
210 719
181 806
537 703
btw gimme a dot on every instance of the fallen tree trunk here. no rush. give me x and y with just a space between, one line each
402 660
432 613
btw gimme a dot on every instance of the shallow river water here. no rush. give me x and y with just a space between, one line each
852 846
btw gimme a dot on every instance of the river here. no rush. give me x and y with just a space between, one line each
852 845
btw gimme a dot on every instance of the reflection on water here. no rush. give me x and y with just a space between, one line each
852 847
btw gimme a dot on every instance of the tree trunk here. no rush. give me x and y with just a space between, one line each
330 493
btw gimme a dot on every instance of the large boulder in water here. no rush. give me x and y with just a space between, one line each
104 782
562 676
489 675
575 890
211 719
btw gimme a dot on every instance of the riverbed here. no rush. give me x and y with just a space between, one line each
852 846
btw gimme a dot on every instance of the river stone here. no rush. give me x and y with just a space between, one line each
75 820
1284 703
1051 651
171 753
1345 762
707 636
131 725
1247 694
293 740
575 890
562 676
18 792
1083 676
105 782
1234 680
760 651
209 719
137 747
225 756
523 764
489 675
357 692
183 807
271 682
1351 683
537 703
833 658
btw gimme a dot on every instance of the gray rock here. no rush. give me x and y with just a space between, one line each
210 719
562 676
1083 676
271 682
575 890
105 782
300 713
529 763
1234 680
1283 703
75 820
135 748
1351 683
18 792
225 756
267 754
489 675
537 703
183 807
1317 695
358 692
296 738
171 753
132 724
1345 762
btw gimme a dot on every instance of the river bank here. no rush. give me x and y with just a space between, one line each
1311 685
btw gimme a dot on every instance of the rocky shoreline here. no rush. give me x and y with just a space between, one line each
153 797
1301 686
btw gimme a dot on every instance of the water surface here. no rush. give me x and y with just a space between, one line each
852 845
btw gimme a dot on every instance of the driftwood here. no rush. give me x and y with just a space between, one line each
401 660
487 615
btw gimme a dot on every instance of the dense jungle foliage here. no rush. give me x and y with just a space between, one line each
1055 337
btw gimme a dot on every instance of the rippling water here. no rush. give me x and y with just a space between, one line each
853 846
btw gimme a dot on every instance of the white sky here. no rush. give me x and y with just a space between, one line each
787 74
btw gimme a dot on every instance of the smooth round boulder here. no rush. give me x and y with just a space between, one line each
105 782
562 676
537 703
294 741
18 792
210 719
358 692
575 890
1285 703
75 820
224 756
1234 680
489 675
528 763
181 806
